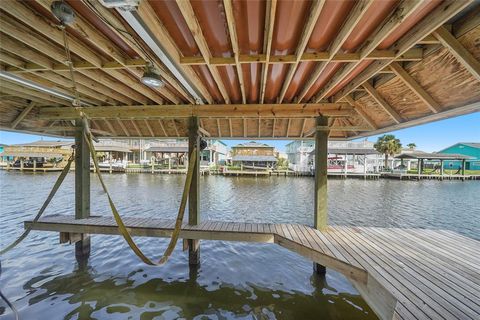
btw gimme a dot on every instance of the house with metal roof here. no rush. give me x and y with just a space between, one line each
254 154
471 149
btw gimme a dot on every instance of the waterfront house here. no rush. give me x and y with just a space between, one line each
169 152
350 156
298 152
215 153
254 154
38 154
471 149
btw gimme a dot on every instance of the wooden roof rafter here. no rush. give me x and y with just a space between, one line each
404 10
459 51
435 19
267 44
194 26
234 41
358 11
315 11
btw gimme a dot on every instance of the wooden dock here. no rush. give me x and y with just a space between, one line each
416 176
401 273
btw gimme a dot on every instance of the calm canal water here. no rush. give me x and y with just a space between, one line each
235 280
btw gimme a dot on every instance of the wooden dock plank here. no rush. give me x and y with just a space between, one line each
427 271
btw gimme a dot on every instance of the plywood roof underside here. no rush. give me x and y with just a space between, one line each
262 69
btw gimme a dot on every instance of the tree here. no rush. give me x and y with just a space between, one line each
411 146
388 145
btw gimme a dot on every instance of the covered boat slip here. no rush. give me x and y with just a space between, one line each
401 273
263 70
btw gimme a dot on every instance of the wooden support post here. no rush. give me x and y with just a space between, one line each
321 159
419 169
345 166
34 165
441 168
464 162
21 164
194 193
82 190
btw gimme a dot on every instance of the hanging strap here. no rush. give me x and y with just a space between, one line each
121 225
44 206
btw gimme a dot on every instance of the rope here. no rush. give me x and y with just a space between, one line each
69 62
44 206
121 225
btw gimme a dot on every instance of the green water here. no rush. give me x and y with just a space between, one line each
235 280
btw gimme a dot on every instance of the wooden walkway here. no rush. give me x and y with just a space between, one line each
401 273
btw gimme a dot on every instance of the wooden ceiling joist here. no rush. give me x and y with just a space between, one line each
440 15
361 113
381 102
267 44
27 17
23 114
414 54
213 111
459 51
192 22
356 14
234 41
315 10
415 87
403 11
148 16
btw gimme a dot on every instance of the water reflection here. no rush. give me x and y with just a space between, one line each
132 297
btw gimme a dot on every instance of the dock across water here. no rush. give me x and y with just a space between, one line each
401 273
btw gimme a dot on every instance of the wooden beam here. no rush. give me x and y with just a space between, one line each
404 10
321 161
204 132
314 13
124 128
218 128
355 15
441 14
288 127
414 54
230 127
415 87
194 191
137 129
82 173
228 5
23 114
267 43
361 113
175 127
110 127
384 104
342 128
149 128
185 111
162 127
194 26
458 50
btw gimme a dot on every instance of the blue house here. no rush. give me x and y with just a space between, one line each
471 149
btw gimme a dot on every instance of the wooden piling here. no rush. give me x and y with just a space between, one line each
321 158
82 189
194 193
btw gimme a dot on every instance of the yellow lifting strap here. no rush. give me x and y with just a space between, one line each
44 206
121 226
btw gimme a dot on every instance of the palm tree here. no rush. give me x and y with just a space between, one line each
411 146
388 145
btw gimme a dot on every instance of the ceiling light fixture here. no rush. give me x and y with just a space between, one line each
151 78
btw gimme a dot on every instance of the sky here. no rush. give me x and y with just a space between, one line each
429 137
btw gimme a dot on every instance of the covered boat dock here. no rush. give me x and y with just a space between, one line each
256 70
